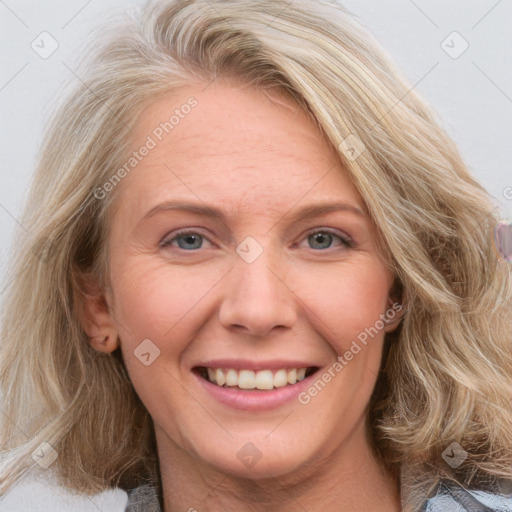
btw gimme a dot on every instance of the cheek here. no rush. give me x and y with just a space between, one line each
158 302
150 298
345 299
345 305
154 302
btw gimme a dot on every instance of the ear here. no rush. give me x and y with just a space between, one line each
395 310
95 317
394 315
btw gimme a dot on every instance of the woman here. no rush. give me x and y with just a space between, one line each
263 279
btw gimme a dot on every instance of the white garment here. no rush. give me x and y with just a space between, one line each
39 492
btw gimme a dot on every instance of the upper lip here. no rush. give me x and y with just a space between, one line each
250 364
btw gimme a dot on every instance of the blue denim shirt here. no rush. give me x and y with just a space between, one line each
453 498
449 498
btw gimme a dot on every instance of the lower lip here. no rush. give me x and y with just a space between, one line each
255 399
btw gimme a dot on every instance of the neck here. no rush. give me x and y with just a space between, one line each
349 479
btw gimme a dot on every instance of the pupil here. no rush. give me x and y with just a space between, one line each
322 238
189 239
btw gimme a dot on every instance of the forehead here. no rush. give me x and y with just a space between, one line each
237 146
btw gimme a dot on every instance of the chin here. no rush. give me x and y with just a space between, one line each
258 460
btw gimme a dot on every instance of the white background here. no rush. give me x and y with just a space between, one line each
472 93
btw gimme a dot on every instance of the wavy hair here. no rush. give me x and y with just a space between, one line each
447 374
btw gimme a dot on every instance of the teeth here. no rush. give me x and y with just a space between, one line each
231 378
246 379
218 375
280 379
262 379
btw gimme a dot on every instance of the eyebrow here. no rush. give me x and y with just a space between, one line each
308 211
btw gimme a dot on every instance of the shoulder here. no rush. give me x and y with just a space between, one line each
41 493
453 498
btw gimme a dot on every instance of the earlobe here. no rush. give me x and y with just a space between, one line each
105 344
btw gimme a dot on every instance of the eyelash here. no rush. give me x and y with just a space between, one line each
347 242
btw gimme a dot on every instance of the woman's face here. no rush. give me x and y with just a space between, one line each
259 293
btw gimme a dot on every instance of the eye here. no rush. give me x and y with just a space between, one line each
323 239
320 239
187 240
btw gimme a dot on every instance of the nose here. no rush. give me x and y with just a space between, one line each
257 298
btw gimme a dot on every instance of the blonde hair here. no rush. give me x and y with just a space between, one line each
447 372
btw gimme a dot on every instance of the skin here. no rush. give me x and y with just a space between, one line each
260 159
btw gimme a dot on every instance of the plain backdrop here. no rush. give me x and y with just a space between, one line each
457 54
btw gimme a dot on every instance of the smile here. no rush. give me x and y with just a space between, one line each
251 379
